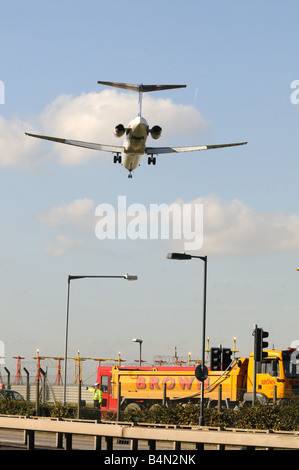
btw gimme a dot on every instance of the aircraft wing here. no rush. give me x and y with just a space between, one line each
160 150
78 143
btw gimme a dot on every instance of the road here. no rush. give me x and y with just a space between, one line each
14 440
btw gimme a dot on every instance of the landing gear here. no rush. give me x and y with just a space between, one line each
151 160
130 174
117 158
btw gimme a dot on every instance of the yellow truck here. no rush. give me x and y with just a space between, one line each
277 378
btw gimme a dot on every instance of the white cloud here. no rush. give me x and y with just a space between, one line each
229 228
79 213
77 217
90 117
17 151
63 244
235 228
175 119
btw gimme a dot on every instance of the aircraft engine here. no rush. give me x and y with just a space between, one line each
119 130
156 132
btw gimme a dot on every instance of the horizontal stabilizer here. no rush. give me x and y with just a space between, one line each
141 88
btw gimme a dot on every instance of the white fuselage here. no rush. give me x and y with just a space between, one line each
135 142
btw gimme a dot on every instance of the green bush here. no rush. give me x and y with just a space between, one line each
261 416
275 417
58 410
24 408
16 407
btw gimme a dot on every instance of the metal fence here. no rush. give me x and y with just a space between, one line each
53 393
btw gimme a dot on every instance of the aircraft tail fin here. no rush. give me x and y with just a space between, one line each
141 88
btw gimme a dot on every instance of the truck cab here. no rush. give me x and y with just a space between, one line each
277 376
104 379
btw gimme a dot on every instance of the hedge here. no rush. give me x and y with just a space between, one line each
262 416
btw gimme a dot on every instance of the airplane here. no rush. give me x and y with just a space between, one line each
135 134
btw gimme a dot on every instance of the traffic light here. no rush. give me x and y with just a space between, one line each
215 362
259 344
265 344
226 358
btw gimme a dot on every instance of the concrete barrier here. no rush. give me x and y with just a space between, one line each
198 436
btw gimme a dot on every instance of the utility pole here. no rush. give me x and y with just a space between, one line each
254 366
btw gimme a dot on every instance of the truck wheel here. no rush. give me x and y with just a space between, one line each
132 407
155 406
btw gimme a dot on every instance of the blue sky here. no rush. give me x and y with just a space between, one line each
238 60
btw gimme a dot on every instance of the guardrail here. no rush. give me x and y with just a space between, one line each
246 439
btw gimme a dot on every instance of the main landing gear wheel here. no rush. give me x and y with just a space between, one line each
117 158
151 160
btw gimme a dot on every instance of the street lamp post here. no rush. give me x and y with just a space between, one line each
69 279
185 256
137 340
